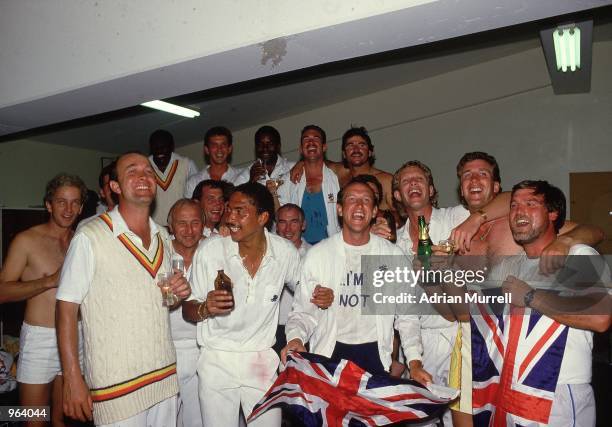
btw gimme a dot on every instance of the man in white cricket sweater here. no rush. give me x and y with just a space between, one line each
171 172
110 276
236 332
342 331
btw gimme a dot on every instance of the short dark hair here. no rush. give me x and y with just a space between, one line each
355 180
162 135
268 130
480 155
106 170
260 197
218 131
224 186
554 199
370 179
316 128
363 133
64 180
292 206
430 181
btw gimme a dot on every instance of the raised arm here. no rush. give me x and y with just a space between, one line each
591 312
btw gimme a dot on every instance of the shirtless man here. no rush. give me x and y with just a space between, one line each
490 235
31 273
487 233
357 159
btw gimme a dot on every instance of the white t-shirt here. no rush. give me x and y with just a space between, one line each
353 327
577 358
251 325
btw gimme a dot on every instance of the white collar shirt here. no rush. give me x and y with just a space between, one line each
230 175
412 327
251 325
79 265
441 223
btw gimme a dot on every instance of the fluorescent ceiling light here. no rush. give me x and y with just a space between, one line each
171 108
567 48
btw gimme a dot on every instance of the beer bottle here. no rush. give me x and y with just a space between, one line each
224 283
425 243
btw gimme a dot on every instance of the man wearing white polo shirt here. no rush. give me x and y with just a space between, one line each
237 331
218 146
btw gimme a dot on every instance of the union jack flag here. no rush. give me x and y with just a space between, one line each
516 358
323 392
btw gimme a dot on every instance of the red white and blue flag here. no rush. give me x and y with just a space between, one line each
516 359
323 392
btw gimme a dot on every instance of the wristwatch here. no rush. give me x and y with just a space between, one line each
527 300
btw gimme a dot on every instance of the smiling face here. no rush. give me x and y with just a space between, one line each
65 206
136 182
290 224
186 225
414 191
356 151
477 185
312 146
242 218
161 150
357 208
267 149
218 149
529 216
213 204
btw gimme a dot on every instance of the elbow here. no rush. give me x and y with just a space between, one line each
602 323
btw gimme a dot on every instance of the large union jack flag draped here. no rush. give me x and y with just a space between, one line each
323 392
516 358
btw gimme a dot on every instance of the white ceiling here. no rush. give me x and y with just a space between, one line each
283 91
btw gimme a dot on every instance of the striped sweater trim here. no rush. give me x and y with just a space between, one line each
127 387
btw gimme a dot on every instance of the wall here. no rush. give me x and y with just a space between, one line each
26 166
505 107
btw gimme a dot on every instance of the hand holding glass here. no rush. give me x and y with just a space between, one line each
163 281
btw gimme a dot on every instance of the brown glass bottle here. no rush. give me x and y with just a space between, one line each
224 283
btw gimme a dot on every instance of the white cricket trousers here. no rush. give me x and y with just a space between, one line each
162 414
188 403
573 406
229 380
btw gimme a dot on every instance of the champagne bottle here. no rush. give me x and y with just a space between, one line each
224 283
425 243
